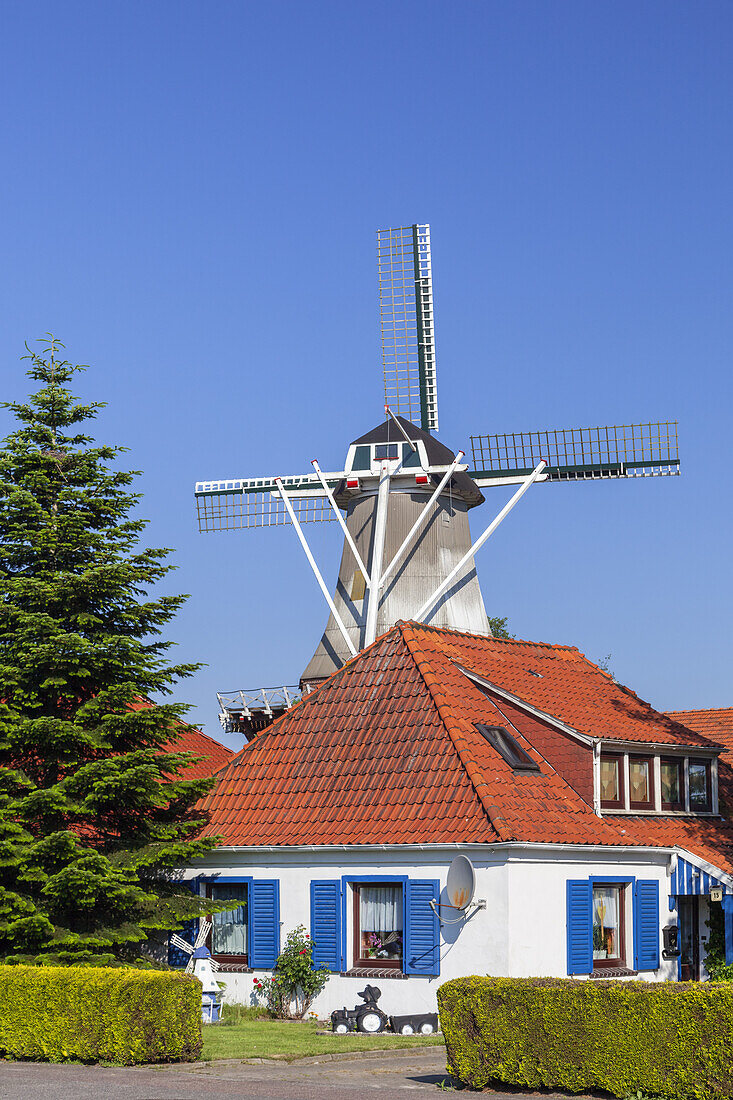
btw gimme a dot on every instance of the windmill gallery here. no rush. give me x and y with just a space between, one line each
591 822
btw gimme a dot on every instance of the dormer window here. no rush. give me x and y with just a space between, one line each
612 781
672 784
645 783
641 782
699 781
390 451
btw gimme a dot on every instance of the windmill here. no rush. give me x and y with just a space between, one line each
203 967
402 498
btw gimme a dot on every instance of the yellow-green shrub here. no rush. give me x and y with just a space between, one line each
93 1014
667 1039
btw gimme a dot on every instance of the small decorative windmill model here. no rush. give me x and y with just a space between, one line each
402 498
203 967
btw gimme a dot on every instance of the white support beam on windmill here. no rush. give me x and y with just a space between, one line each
487 533
342 523
380 530
421 519
316 571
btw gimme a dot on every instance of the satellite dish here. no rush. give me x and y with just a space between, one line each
461 882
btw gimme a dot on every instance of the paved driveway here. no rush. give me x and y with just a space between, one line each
392 1075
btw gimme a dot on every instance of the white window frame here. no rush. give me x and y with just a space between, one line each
655 752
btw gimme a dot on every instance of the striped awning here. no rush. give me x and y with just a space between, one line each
688 879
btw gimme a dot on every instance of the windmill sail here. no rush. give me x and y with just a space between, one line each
406 314
578 454
255 502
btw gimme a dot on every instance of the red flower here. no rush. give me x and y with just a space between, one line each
304 951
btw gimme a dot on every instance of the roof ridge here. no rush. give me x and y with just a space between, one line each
697 710
489 637
445 710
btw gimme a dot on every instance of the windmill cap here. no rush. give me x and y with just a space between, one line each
202 953
438 455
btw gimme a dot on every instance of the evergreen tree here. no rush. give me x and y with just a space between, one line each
95 814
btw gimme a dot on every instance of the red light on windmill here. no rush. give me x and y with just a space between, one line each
421 479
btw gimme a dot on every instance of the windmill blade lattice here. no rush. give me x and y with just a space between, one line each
577 454
255 502
404 270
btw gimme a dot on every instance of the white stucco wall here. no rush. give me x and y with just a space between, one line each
520 933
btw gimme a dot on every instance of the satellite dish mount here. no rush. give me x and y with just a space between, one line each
460 887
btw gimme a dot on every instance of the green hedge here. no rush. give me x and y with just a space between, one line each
94 1014
665 1039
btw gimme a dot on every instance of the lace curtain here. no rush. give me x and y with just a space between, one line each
229 935
380 908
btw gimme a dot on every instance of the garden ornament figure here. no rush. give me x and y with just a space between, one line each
203 967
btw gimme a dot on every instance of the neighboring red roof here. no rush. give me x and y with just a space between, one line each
215 755
716 725
387 752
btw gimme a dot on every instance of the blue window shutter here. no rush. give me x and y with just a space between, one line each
264 923
646 925
420 934
176 957
326 923
580 926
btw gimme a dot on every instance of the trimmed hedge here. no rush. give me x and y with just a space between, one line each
664 1038
94 1014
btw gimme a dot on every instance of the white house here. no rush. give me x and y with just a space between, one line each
593 823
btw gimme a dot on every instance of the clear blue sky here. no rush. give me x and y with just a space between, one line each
189 197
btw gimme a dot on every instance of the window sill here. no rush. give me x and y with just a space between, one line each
660 813
232 968
373 972
614 972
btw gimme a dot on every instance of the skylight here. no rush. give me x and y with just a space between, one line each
508 748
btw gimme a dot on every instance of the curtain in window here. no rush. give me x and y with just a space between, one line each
605 922
229 935
380 908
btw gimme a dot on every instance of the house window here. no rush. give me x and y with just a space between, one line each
672 785
228 939
699 783
609 948
612 781
641 782
378 925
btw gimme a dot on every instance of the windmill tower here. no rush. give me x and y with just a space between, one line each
402 498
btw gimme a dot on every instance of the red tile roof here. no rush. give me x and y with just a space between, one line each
561 681
214 754
716 725
387 752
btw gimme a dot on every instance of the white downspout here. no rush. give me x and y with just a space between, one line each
597 779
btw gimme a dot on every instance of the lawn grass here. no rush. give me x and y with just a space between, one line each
252 1038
